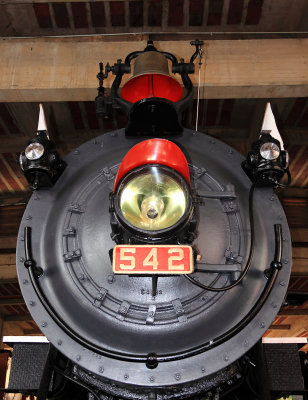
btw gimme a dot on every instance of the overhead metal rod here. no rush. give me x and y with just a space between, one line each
166 35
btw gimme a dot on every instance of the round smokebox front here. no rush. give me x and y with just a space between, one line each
113 325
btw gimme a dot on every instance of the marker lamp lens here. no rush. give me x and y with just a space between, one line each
34 151
269 151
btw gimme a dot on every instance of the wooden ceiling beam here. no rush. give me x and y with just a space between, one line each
8 198
299 267
32 332
65 68
44 1
8 271
293 192
17 318
294 311
11 302
282 327
299 235
7 243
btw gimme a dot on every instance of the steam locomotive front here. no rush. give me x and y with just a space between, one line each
155 265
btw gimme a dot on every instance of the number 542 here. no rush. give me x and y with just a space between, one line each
159 259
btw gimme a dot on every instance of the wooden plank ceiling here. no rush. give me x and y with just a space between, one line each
59 17
235 121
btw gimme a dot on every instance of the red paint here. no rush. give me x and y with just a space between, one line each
136 13
145 259
254 12
42 15
61 15
98 14
152 85
215 12
155 13
154 151
79 15
117 13
76 114
196 8
235 12
91 114
175 17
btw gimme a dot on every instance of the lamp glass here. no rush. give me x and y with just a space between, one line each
269 151
153 200
34 151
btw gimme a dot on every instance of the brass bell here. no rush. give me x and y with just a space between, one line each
151 78
151 62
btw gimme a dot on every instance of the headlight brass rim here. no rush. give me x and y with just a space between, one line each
165 171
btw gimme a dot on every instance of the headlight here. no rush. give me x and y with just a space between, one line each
34 151
153 198
269 151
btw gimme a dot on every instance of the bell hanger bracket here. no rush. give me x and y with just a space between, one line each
106 104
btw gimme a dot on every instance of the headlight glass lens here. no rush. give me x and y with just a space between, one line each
153 199
269 151
34 151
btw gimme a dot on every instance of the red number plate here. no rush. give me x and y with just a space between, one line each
160 259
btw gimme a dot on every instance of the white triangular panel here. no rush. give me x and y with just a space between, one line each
42 125
269 124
